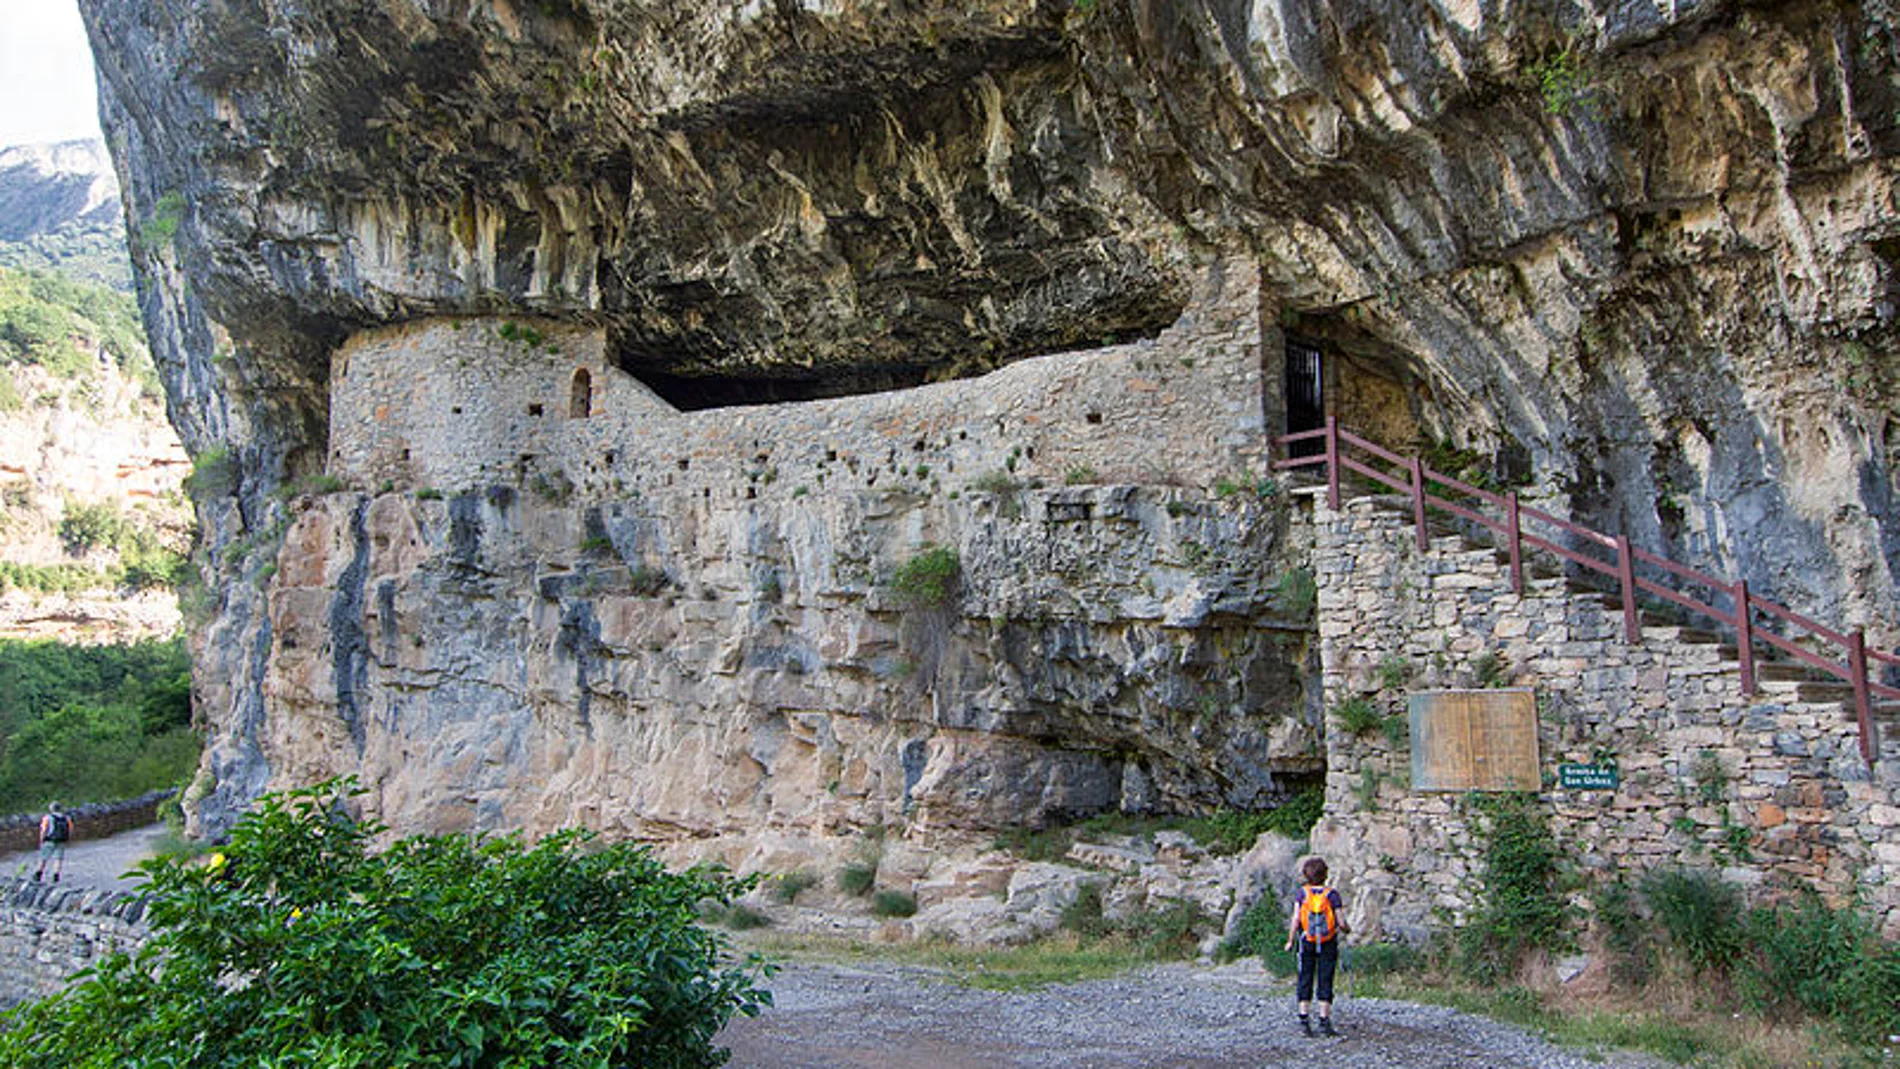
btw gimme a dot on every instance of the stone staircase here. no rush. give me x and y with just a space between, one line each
1778 678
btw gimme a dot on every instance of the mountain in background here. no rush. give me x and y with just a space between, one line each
93 521
59 212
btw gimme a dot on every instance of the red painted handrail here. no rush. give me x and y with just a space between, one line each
1417 481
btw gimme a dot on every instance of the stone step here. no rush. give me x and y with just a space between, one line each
1792 671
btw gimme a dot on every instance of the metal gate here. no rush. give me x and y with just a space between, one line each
1305 395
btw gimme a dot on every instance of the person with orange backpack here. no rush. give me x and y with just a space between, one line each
1318 924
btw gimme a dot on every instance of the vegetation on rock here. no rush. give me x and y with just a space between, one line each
298 945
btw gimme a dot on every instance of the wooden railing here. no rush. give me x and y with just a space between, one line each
1613 557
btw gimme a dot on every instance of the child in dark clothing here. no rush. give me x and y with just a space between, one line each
1318 922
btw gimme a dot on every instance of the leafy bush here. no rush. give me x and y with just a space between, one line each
1519 906
86 527
743 918
928 580
1083 916
297 946
893 904
788 887
1295 818
1701 914
856 880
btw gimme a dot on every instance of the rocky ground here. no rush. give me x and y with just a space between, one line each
888 1016
896 1016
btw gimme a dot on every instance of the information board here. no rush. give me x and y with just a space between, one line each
1474 740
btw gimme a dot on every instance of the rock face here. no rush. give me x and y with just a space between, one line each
726 624
1642 251
44 188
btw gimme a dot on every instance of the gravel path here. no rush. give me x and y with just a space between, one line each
94 862
831 1016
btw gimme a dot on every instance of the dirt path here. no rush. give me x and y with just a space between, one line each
831 1016
94 862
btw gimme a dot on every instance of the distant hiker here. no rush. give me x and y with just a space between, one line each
55 828
1318 922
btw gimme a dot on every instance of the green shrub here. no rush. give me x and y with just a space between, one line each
1083 916
1298 593
996 482
1357 716
1168 933
214 473
1261 931
1625 931
1397 730
1080 475
1295 818
1701 914
86 527
298 946
928 580
1520 907
1228 831
744 918
893 904
856 880
1394 672
1488 670
787 888
92 723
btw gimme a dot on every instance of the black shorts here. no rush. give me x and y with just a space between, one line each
1320 966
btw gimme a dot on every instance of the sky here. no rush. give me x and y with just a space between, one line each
46 88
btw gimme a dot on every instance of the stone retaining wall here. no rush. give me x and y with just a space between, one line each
91 821
1770 790
47 933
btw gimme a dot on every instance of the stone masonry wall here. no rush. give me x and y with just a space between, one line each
449 405
1769 790
47 933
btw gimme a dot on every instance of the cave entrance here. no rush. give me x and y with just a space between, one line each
1305 394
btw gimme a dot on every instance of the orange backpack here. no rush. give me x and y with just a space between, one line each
1316 914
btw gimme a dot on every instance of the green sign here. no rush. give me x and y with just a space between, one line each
1587 777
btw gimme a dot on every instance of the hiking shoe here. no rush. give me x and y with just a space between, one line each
1306 1026
1326 1027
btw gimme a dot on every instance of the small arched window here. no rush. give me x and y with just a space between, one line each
580 403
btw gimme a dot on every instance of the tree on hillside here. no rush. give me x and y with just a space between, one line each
298 946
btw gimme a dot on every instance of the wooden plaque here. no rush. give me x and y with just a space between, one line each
1474 740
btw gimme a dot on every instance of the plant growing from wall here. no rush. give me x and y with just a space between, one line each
1520 904
1357 716
1366 789
1394 671
1488 671
928 580
1297 593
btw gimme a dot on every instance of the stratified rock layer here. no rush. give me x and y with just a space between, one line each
1641 250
